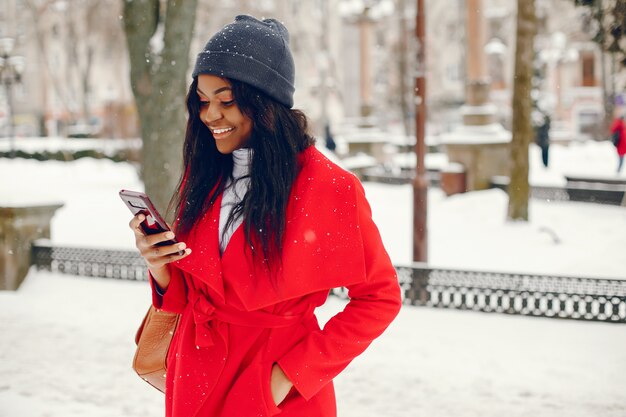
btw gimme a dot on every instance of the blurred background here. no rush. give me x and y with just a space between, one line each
355 63
488 136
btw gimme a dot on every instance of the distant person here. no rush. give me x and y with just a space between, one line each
618 133
331 145
542 135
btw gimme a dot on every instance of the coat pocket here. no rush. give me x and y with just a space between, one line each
251 394
272 408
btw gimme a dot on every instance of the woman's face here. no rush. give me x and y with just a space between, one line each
231 129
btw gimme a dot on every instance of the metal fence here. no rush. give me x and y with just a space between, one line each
523 294
101 263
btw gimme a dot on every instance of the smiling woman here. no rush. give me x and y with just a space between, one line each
218 111
269 226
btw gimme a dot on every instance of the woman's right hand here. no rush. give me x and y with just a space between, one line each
157 257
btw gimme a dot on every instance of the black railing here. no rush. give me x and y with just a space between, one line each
523 294
102 263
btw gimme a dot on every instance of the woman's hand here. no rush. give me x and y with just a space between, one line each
279 384
157 257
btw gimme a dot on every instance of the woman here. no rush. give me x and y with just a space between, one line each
269 226
618 129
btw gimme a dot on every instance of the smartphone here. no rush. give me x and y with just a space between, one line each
138 202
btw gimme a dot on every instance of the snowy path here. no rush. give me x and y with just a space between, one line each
67 343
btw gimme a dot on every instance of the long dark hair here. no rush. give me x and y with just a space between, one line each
279 134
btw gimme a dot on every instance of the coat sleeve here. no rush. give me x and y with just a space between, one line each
174 298
374 303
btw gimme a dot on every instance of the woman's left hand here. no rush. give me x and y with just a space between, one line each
279 384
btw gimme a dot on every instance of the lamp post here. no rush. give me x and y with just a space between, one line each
420 183
11 69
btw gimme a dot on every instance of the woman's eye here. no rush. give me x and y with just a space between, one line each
228 103
204 103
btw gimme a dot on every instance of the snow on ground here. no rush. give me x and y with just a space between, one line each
67 345
586 158
93 214
470 232
67 342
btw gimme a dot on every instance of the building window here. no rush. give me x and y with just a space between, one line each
588 68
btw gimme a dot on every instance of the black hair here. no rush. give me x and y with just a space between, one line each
279 134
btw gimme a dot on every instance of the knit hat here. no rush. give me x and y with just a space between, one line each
255 52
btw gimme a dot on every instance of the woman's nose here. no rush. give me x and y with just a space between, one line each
211 114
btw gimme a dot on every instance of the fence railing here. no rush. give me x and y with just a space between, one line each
523 294
103 263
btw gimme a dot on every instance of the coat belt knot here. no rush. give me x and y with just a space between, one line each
204 317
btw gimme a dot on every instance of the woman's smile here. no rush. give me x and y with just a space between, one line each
221 133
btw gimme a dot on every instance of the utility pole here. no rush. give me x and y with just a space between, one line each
420 183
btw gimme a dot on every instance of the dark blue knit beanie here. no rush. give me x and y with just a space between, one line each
255 52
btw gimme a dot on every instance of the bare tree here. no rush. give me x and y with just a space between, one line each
82 28
519 189
158 34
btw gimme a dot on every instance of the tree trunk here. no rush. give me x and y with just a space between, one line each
158 81
519 189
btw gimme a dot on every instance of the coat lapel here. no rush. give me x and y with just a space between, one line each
204 262
323 246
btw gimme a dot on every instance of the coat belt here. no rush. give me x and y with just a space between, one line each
207 314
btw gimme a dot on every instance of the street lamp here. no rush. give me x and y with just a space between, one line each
11 69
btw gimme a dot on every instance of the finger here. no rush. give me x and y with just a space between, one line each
159 261
135 224
160 237
176 256
153 253
169 249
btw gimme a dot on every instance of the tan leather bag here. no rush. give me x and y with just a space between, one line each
153 340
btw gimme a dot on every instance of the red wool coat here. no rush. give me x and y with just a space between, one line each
620 126
237 321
